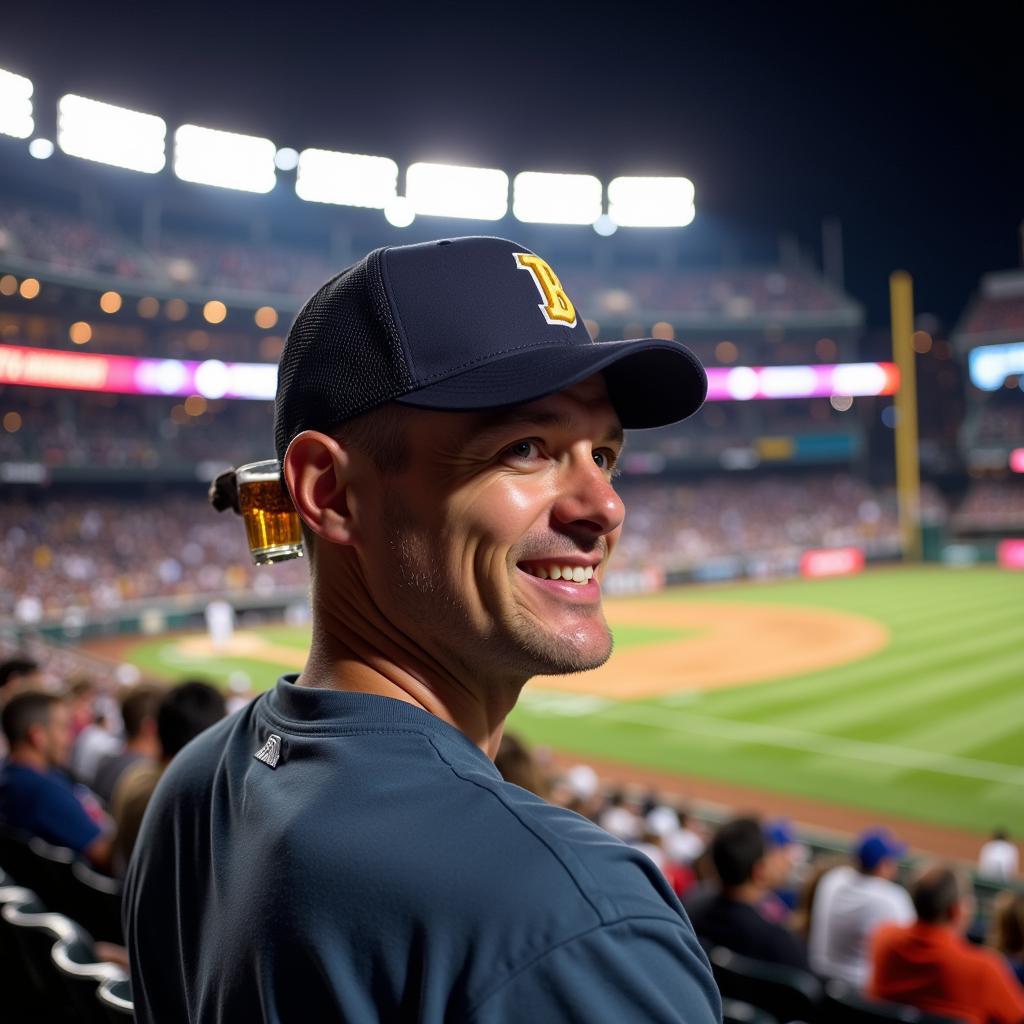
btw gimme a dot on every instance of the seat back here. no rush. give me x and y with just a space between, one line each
18 991
80 974
735 1011
96 903
115 997
35 931
17 859
53 879
845 1005
787 993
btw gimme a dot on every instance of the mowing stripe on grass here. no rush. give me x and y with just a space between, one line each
915 682
813 743
967 730
795 693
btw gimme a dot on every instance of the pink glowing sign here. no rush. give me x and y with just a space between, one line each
1010 554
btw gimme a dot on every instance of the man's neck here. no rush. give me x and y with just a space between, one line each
29 757
143 746
338 660
746 893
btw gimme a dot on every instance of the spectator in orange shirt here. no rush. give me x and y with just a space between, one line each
930 965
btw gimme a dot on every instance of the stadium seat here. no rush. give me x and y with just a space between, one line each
53 881
35 931
96 903
735 1011
116 1000
17 997
844 1005
81 973
787 993
16 858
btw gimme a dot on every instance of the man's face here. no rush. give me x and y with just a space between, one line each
477 547
57 736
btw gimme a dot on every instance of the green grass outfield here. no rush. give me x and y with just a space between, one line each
931 727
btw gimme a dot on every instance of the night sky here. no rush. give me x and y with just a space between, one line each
902 128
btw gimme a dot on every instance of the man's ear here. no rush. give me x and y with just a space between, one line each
318 472
36 736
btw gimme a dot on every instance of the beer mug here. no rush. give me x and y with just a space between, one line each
271 522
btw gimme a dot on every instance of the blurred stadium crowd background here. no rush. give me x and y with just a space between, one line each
104 529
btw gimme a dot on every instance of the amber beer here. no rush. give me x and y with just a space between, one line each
271 522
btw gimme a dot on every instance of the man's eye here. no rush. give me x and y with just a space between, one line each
523 450
605 458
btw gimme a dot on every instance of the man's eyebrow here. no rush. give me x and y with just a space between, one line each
495 425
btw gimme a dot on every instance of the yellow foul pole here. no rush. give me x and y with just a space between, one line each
908 470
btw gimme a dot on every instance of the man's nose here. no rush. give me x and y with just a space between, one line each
586 498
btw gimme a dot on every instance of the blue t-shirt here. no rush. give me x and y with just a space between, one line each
44 804
384 871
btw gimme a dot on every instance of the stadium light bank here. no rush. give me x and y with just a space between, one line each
90 129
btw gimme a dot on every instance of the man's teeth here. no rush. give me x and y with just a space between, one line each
578 574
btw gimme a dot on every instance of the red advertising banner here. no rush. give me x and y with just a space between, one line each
831 562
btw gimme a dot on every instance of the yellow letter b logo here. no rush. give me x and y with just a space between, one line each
557 307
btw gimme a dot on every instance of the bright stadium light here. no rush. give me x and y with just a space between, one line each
286 159
348 179
398 212
224 159
605 226
990 365
15 105
651 202
111 135
41 149
556 198
444 190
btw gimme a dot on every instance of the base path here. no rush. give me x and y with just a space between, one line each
813 816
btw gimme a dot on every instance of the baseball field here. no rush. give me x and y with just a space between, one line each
899 691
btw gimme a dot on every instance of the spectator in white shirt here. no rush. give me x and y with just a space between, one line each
620 819
999 859
851 902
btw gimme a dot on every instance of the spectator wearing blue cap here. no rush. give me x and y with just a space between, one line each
729 914
851 902
782 852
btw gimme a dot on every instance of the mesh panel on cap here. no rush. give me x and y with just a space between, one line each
343 355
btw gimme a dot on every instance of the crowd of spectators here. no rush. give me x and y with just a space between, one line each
105 431
66 242
98 553
108 432
750 885
727 294
69 242
999 316
685 526
1000 421
257 268
991 505
83 757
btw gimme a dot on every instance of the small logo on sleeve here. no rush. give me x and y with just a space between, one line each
270 752
557 307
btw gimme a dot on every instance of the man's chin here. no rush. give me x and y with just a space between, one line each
561 658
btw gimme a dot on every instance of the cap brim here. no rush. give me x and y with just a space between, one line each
651 382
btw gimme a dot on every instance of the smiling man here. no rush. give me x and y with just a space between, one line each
344 849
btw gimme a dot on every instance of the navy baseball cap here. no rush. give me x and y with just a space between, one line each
876 845
462 324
